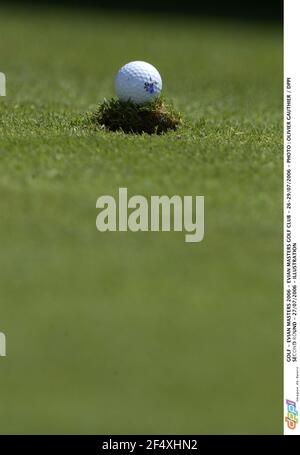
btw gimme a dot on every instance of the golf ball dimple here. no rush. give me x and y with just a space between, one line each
138 82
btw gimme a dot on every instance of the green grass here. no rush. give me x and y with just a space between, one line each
140 332
153 118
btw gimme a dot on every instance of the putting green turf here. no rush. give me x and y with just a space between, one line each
140 332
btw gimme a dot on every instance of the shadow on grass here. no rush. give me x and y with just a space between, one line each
152 118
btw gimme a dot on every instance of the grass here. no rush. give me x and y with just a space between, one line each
152 118
140 332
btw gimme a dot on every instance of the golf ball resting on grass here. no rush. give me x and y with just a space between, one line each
153 118
138 82
139 107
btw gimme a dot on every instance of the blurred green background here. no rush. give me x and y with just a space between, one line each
140 332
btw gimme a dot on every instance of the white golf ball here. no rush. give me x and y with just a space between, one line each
138 82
